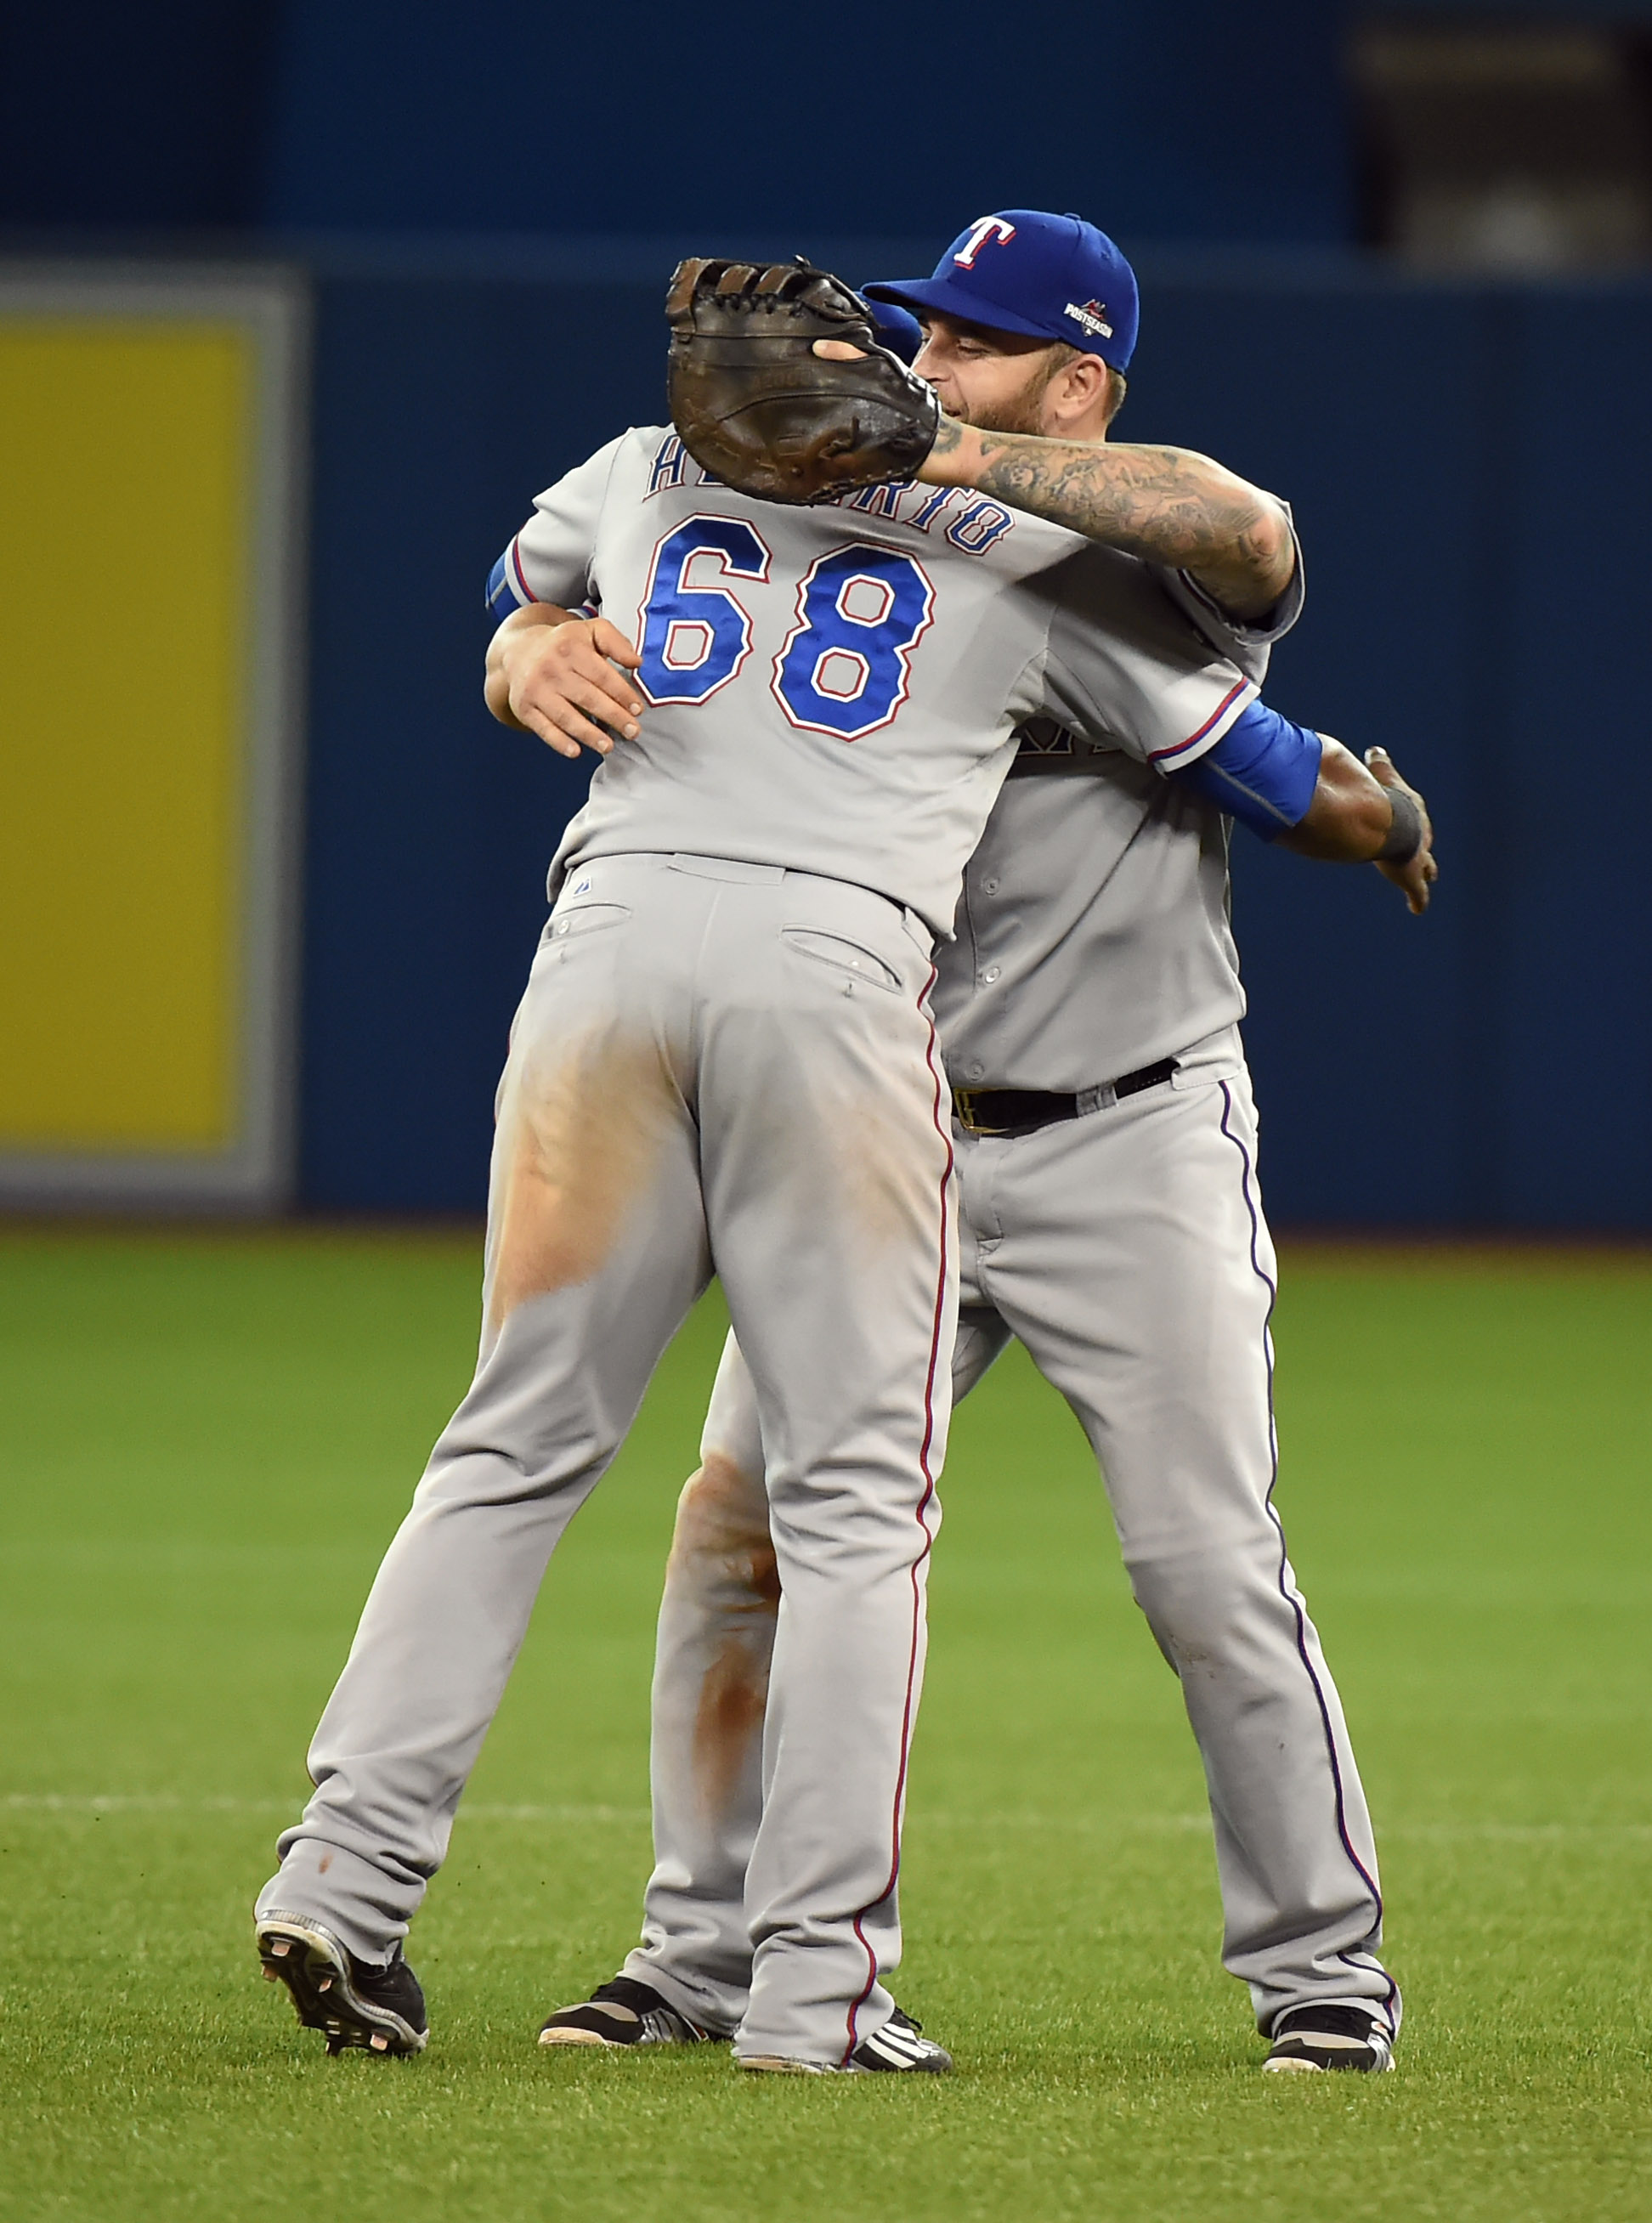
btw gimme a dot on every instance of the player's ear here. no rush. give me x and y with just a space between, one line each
1077 397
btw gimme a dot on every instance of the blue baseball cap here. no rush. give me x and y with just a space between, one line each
1047 277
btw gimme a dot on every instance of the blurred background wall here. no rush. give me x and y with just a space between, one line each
1395 265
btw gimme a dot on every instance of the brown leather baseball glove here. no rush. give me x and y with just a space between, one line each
760 410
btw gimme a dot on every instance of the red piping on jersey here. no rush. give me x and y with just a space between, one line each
929 1539
1157 756
516 566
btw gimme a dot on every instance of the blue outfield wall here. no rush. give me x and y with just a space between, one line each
1467 469
1197 122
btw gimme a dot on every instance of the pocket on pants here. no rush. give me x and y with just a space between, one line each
841 955
585 918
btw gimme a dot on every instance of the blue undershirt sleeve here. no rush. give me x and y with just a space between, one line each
502 598
1263 771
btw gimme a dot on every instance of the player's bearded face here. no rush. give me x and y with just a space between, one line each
994 380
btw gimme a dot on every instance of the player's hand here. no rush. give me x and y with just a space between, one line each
570 684
1414 880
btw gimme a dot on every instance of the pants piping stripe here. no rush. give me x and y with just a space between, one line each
943 1128
1288 1590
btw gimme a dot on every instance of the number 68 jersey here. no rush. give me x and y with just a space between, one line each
833 689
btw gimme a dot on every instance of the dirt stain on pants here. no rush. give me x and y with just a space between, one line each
723 1550
578 1141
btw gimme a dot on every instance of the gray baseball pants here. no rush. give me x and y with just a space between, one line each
1128 1251
715 1066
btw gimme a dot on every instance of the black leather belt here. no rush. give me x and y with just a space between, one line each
1023 1111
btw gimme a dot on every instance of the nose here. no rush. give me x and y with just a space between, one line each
925 366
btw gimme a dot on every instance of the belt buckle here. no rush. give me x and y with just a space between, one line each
963 1106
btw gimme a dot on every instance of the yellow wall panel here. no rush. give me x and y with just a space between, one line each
127 465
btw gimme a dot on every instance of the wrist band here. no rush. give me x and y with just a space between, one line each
1405 835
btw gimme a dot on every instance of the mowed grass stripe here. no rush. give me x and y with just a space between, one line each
482 1810
207 1440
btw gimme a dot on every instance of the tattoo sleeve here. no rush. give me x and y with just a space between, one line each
1167 505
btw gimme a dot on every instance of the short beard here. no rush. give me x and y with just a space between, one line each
1022 412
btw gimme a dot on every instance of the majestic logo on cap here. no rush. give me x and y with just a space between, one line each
1094 317
983 229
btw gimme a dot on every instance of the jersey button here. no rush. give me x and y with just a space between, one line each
974 1070
990 975
989 887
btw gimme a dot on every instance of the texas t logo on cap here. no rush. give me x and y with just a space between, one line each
983 229
1025 270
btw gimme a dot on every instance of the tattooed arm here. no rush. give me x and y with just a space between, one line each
1167 505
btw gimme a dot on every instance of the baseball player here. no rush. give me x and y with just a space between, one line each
1110 1210
724 1057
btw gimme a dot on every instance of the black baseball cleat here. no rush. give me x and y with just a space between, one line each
1331 2038
624 2012
354 2003
900 2046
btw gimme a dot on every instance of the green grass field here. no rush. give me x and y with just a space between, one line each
206 1440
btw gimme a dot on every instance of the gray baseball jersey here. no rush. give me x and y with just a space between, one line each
1093 935
850 675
